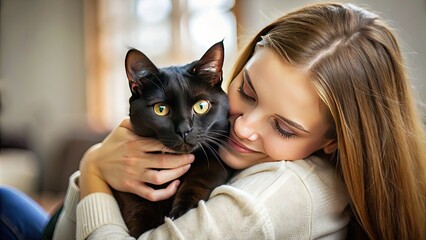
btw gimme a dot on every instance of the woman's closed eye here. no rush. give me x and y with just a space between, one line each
247 91
281 131
244 94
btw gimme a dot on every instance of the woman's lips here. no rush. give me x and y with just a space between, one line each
238 146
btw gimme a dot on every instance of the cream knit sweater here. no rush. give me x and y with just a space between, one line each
300 199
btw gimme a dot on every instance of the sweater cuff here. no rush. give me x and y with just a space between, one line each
72 196
96 210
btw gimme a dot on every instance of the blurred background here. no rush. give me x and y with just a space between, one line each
62 81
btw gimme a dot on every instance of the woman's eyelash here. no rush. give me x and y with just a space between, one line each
281 131
243 94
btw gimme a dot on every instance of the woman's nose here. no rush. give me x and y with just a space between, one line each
244 128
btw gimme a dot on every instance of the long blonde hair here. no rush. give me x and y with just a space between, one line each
357 68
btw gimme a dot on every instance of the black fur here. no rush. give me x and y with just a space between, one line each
183 130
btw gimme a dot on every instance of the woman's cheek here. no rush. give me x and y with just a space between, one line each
279 149
276 151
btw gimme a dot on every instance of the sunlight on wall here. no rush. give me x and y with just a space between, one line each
203 27
212 20
154 11
154 22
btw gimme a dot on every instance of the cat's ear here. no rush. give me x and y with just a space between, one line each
209 66
137 66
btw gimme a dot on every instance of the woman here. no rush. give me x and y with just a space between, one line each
327 80
323 124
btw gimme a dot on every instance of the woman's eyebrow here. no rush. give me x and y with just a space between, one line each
247 77
292 123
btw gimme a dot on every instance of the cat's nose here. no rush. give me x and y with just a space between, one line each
184 134
183 130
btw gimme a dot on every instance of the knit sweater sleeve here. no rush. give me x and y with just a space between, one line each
66 224
230 214
267 201
258 202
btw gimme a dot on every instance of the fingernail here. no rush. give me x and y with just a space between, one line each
177 182
186 167
191 158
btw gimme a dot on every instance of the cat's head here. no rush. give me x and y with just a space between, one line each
182 106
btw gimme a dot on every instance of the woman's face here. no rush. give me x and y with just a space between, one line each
275 113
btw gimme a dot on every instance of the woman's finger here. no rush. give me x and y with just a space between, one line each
158 177
126 124
154 195
151 145
167 161
145 145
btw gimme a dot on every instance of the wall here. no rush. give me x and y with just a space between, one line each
42 75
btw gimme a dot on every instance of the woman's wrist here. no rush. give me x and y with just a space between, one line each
88 162
91 179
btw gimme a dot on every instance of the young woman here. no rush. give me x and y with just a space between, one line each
323 127
327 80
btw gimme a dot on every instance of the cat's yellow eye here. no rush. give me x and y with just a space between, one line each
201 107
161 109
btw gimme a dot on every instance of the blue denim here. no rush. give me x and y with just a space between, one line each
20 216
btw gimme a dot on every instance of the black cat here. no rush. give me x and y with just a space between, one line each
186 109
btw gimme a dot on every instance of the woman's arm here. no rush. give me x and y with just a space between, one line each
276 200
125 161
90 180
260 202
122 155
231 214
65 228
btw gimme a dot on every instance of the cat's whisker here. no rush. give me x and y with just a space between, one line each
218 131
161 82
220 142
213 149
151 81
215 152
205 153
206 145
222 135
161 86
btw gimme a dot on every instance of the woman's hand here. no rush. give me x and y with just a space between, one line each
124 161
